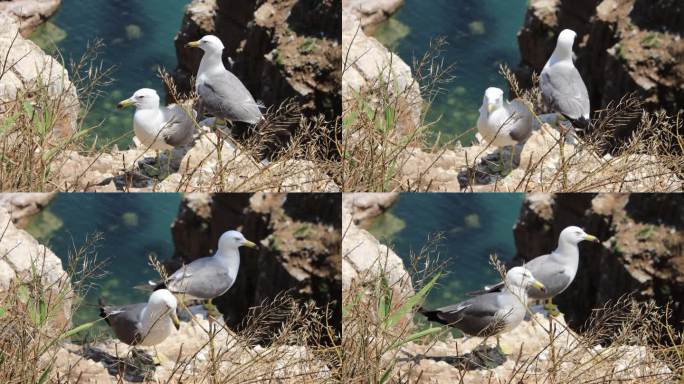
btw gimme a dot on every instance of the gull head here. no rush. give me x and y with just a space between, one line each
574 235
163 298
521 277
233 240
208 43
493 99
564 44
142 98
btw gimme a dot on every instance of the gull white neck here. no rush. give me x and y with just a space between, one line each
211 61
230 258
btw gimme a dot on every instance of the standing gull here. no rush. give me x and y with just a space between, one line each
144 324
491 313
220 92
503 123
561 84
211 276
557 269
159 128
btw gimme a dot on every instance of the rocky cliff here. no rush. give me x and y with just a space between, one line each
299 246
279 49
29 13
642 238
622 46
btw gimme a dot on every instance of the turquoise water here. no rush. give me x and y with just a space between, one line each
133 226
474 226
481 35
139 37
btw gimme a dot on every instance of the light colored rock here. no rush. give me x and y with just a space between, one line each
21 255
529 345
29 13
26 204
364 257
370 13
365 206
368 64
31 70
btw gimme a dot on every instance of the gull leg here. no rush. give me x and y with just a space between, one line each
158 358
501 348
551 308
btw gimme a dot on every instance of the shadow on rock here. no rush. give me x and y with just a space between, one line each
480 358
136 367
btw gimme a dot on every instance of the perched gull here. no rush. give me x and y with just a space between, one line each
159 128
503 123
491 313
561 84
211 276
144 324
221 93
556 270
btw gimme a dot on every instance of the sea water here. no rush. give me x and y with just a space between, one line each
473 227
138 37
481 35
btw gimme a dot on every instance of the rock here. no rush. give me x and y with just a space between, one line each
366 206
192 169
21 206
444 361
31 74
368 63
639 253
299 250
29 13
622 46
364 257
371 13
22 253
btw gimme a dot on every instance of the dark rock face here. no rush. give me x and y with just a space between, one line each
299 247
622 46
641 250
280 49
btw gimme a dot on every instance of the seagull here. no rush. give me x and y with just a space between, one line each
143 324
503 123
493 313
159 128
220 92
561 84
211 276
555 270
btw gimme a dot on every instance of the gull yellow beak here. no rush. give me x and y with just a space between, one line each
490 108
192 44
249 244
124 103
539 285
174 319
591 238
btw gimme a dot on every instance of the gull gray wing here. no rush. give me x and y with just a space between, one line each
179 128
478 316
223 94
204 278
521 120
124 321
550 273
565 92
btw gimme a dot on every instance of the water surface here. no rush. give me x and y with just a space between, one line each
139 38
133 226
474 226
481 35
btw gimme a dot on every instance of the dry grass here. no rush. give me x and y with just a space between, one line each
281 340
624 341
301 151
626 149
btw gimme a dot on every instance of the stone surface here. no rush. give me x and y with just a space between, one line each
531 358
371 13
29 13
367 64
641 240
21 253
366 206
30 72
